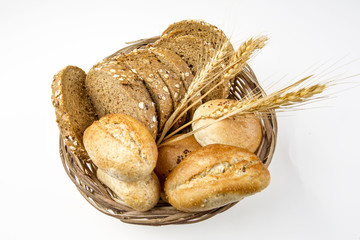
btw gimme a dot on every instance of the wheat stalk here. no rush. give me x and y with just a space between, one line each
287 96
211 71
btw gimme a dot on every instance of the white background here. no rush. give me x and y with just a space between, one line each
314 192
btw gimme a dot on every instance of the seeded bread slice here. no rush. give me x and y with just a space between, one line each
140 62
199 28
175 62
74 111
114 88
180 67
208 33
195 52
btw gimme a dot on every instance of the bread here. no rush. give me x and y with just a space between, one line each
141 195
193 50
212 35
141 63
170 155
199 28
114 88
243 131
121 146
213 176
73 109
173 61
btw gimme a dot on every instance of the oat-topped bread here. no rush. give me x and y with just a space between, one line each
140 63
114 88
74 111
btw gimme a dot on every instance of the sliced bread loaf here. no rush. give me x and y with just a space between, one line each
73 108
210 34
140 62
114 88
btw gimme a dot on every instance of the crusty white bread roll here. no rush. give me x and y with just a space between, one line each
242 131
122 146
170 155
141 195
214 176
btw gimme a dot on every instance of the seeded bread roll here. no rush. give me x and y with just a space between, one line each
243 131
121 146
170 155
73 109
214 176
141 63
141 195
114 88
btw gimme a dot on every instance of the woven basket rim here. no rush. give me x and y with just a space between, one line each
83 172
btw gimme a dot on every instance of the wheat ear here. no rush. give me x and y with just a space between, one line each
212 71
282 98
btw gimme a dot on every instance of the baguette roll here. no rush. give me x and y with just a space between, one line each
214 176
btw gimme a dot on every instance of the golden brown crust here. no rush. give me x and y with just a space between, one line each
248 132
73 109
121 146
214 176
172 154
141 195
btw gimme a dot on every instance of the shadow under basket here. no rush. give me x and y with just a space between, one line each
83 173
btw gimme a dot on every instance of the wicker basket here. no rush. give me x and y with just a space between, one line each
83 174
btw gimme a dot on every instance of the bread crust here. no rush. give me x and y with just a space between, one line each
73 108
243 131
141 195
121 146
214 176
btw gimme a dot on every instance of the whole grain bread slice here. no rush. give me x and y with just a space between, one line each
209 33
114 88
141 63
196 52
174 62
73 108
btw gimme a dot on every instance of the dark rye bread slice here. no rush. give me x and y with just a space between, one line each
114 88
73 108
140 62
